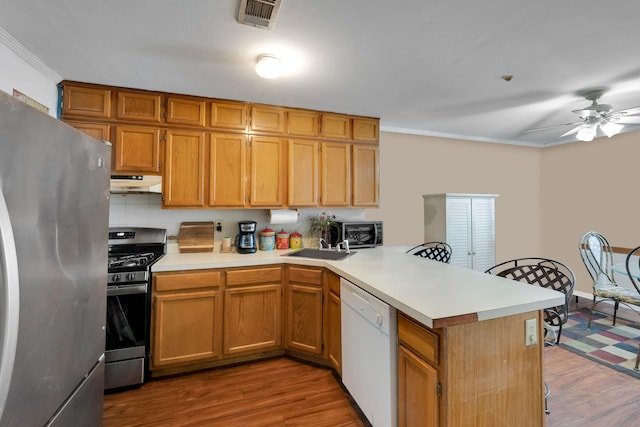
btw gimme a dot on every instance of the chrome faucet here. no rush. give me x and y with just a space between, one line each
343 246
323 244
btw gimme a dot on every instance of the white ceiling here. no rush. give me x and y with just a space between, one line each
429 67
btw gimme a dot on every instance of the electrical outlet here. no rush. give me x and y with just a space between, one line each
218 226
530 332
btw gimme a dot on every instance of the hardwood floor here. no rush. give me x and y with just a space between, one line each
276 392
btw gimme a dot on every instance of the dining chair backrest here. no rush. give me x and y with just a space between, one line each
543 272
597 256
633 267
437 251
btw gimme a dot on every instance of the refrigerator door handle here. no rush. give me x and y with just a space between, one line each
9 301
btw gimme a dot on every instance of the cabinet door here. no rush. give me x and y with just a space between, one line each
267 119
187 327
227 170
96 130
365 176
185 111
335 174
417 391
80 101
458 225
183 184
336 126
137 150
139 107
304 320
302 123
303 173
334 335
483 232
229 115
252 319
267 172
365 129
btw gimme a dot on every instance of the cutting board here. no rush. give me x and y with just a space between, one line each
196 237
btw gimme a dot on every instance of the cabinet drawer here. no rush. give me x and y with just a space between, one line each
305 275
419 339
186 280
254 275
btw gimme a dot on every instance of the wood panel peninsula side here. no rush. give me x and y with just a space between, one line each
462 355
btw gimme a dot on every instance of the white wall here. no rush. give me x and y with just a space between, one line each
23 71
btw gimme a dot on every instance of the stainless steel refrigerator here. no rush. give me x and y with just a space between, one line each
54 208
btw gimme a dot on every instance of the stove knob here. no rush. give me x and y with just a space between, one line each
131 277
115 278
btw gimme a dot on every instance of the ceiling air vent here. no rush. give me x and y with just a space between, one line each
258 13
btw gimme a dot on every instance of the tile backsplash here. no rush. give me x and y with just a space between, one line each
144 210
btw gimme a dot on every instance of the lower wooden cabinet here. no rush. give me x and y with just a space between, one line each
304 313
252 310
417 390
334 325
186 318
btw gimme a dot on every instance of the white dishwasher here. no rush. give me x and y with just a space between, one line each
369 353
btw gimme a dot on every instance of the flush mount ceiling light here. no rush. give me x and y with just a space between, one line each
268 67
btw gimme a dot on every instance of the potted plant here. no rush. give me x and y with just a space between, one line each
321 226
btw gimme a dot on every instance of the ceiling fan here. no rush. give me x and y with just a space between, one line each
597 116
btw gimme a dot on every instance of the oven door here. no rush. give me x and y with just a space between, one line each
126 322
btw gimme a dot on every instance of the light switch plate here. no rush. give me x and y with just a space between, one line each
530 332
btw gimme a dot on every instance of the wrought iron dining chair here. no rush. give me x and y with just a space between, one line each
633 267
546 273
597 257
438 251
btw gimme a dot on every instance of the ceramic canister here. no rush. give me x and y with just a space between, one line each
282 240
295 241
267 240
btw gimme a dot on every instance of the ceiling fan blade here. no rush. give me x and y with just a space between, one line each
551 127
572 131
624 120
629 111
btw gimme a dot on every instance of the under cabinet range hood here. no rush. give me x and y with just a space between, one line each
136 184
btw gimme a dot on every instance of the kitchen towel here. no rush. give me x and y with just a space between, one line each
283 216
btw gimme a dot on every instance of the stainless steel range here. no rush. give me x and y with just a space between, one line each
132 252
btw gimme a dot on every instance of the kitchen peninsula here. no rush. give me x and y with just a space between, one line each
462 358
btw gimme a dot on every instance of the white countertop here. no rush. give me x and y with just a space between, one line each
434 293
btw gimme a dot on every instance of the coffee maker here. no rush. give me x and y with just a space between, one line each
246 240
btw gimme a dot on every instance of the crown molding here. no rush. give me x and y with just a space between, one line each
7 40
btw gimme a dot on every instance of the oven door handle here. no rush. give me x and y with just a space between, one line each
126 290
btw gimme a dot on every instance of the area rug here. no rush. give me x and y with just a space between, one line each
613 346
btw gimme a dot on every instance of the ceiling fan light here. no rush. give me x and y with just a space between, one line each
268 67
611 129
586 133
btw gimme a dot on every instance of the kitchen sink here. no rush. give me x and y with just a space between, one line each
321 254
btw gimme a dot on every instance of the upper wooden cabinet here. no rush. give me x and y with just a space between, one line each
227 170
186 111
89 102
336 126
137 150
96 130
139 106
365 188
335 174
267 119
303 123
303 173
184 172
229 115
365 130
267 172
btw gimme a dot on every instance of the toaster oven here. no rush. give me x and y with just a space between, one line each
360 234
